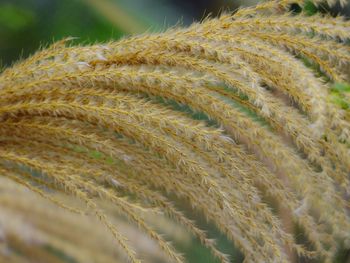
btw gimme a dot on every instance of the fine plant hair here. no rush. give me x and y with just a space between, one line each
234 115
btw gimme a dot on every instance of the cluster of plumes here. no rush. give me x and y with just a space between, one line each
223 114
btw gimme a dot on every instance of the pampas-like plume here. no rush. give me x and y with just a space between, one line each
108 122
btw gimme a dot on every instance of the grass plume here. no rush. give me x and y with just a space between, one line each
99 129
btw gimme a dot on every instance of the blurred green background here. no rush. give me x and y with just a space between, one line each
26 25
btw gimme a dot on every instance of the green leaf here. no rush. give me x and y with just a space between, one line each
341 87
340 101
309 8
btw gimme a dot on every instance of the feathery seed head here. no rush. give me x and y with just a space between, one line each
225 114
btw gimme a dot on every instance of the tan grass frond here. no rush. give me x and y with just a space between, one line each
114 127
278 6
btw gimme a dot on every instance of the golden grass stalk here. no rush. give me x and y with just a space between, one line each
113 125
